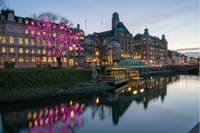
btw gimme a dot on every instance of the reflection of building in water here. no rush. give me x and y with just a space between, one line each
111 105
148 89
43 120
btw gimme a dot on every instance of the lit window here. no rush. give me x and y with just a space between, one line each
32 42
38 33
49 52
44 51
27 51
11 40
33 51
54 34
12 50
3 39
21 59
33 32
65 59
26 31
44 42
70 48
12 59
20 50
54 59
26 41
38 51
20 40
27 59
44 59
26 21
49 59
3 49
33 59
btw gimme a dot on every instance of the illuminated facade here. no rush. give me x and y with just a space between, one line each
151 50
17 44
118 43
110 46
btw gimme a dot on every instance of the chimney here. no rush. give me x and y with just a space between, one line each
78 26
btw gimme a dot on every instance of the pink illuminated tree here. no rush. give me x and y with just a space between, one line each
58 38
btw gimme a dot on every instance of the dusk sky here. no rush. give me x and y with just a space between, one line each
177 19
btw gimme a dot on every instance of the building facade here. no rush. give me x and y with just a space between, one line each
18 47
111 46
151 50
107 48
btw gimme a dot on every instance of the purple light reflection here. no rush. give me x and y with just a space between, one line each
60 118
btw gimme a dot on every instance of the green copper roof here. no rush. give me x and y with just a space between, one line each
130 62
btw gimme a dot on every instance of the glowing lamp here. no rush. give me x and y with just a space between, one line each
97 100
135 92
141 90
70 102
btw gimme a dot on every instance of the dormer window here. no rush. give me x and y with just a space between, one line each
2 18
26 21
11 17
20 20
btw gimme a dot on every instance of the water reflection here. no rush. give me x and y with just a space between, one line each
68 116
143 91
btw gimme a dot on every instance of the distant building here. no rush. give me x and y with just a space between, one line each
151 50
118 43
110 46
18 47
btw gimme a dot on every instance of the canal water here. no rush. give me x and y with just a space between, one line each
159 104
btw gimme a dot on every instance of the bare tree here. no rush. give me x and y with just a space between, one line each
66 21
50 16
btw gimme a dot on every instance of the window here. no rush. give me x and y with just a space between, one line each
38 33
21 59
49 52
11 40
44 51
54 34
26 41
12 59
20 40
27 51
44 59
49 59
20 50
32 42
33 59
32 32
3 39
12 50
26 21
26 31
3 50
54 59
33 51
64 59
44 42
38 51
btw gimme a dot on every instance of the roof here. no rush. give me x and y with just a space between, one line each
131 62
108 33
121 25
111 33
